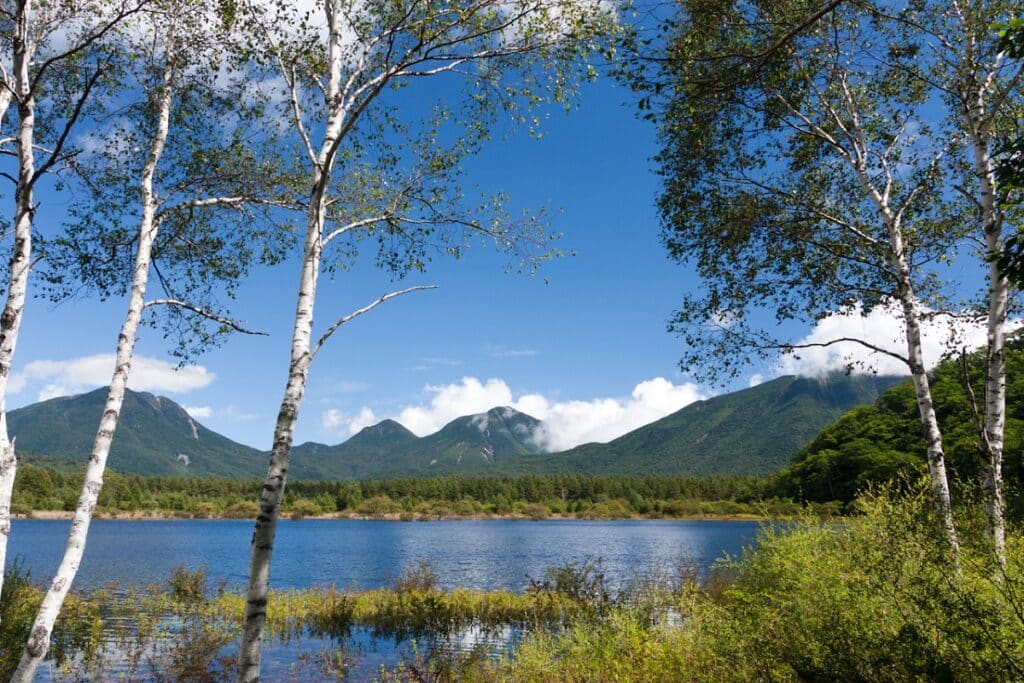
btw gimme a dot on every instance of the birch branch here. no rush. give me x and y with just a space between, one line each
199 203
204 313
839 340
365 309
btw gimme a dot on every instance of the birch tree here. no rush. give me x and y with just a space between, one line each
51 50
193 194
987 96
384 165
804 176
953 49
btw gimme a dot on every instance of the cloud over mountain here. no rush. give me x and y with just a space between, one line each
75 375
882 327
566 423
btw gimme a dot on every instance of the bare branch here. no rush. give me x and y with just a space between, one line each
55 155
365 309
199 203
204 313
839 340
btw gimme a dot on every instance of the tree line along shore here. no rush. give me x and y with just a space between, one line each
47 492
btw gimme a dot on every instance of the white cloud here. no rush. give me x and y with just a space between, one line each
883 327
566 423
199 412
233 412
64 377
570 423
755 379
454 400
335 421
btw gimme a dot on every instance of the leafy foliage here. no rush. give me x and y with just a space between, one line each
1010 169
793 184
873 600
883 442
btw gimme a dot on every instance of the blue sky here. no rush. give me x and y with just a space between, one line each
582 342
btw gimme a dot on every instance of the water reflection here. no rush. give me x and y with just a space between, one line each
487 554
481 553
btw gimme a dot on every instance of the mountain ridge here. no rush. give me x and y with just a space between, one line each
750 431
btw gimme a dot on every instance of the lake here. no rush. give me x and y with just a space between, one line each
482 554
369 554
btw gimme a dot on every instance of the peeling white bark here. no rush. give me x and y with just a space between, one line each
39 638
897 254
273 488
922 390
995 357
21 258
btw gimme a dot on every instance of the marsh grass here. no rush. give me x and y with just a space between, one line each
876 598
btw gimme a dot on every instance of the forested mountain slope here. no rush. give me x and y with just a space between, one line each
752 431
883 441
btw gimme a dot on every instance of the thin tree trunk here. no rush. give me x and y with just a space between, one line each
20 264
39 638
922 390
932 433
277 472
934 452
250 648
995 366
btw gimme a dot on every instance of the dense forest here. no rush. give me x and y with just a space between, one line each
883 442
46 488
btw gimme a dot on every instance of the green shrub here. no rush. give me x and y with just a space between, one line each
304 507
378 506
875 599
245 509
188 586
536 511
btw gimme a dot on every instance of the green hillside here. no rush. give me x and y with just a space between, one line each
752 431
154 436
348 460
879 442
486 442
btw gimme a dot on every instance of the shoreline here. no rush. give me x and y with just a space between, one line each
149 516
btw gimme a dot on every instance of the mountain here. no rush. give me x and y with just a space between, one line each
884 441
752 431
475 443
155 435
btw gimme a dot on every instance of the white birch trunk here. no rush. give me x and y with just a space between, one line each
919 376
934 452
930 423
277 472
20 263
995 365
39 638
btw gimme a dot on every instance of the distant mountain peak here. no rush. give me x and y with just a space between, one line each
753 430
153 433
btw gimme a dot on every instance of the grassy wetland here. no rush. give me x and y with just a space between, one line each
876 598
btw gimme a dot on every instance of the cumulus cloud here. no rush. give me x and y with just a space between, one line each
570 423
73 376
755 379
233 412
883 327
566 423
450 401
338 422
199 412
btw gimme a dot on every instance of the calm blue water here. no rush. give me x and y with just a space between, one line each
368 554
